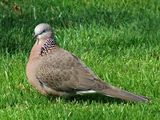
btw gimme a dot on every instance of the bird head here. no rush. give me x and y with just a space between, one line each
43 31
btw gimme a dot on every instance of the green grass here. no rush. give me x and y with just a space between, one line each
118 39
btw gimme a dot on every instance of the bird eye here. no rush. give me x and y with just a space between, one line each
43 31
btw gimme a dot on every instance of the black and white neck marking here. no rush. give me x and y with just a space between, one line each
50 43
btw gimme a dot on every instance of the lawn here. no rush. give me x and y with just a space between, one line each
118 39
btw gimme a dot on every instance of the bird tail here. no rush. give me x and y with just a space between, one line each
122 94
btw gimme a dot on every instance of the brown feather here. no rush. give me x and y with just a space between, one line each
62 71
53 70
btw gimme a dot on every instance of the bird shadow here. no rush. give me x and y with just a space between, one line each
90 98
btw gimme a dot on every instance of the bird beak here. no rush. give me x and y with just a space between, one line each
34 36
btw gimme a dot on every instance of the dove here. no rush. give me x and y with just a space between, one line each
57 72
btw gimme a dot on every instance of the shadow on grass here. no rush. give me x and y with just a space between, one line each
15 28
90 98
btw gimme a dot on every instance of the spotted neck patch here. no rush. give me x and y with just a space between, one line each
50 43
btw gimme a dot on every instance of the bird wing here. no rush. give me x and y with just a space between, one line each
62 71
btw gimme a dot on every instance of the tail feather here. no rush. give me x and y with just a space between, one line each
122 94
